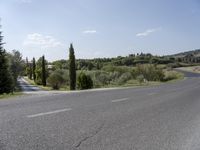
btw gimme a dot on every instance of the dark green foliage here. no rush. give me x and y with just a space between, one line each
56 79
38 71
72 68
34 67
84 81
6 79
43 71
30 71
16 64
60 64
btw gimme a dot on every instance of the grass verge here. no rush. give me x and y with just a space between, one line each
18 92
6 96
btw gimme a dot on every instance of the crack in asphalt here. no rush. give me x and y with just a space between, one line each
89 136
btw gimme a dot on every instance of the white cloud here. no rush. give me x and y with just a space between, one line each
42 41
89 31
147 32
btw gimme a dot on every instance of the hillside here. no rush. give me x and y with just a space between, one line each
194 53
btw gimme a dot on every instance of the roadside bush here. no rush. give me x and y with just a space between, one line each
102 78
55 80
114 76
140 79
84 81
171 75
124 78
150 72
120 69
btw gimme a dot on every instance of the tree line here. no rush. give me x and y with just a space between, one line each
40 73
83 73
11 66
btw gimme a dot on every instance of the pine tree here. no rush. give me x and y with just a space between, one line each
72 68
6 80
43 71
34 66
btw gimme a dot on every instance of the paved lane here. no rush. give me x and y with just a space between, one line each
26 87
165 117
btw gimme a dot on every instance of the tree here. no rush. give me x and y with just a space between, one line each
30 71
84 81
72 68
6 80
27 67
16 64
34 67
38 71
56 79
43 71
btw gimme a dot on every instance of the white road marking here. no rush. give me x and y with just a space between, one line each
48 113
152 94
119 100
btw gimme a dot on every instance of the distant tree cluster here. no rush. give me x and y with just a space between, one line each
37 70
99 63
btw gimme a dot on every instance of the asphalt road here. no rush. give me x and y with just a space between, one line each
165 117
26 87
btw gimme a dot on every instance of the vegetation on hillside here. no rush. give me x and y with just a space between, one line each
139 69
135 69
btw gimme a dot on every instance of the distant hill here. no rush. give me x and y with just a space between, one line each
192 53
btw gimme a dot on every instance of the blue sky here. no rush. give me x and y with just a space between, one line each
100 28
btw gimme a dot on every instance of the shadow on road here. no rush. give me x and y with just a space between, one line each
26 87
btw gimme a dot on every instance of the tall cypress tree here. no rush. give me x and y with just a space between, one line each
72 68
34 66
30 71
27 67
6 80
43 72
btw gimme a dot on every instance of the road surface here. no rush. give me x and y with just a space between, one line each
165 117
26 87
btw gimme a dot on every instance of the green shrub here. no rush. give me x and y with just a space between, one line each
124 78
150 72
120 69
140 78
171 75
55 80
84 81
102 78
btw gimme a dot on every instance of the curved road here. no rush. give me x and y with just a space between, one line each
26 87
165 117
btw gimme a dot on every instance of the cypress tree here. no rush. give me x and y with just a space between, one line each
27 67
30 71
6 80
43 71
72 68
34 66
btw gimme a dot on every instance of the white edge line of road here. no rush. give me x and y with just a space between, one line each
119 100
48 113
